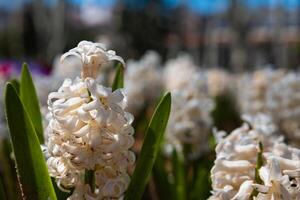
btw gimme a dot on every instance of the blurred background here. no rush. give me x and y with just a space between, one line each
234 34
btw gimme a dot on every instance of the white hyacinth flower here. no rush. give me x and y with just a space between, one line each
261 122
190 121
235 163
273 179
89 130
252 89
218 82
233 175
179 72
281 174
143 81
276 93
283 102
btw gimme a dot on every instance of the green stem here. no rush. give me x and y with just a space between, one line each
89 178
259 164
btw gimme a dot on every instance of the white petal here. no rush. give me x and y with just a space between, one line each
264 174
116 97
72 52
292 173
116 108
275 171
245 191
102 91
129 117
102 116
93 105
83 131
240 165
112 56
261 188
287 163
83 115
128 130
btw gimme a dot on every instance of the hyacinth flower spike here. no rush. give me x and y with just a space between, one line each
89 131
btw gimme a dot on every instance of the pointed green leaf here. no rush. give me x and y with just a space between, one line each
119 78
29 99
31 168
16 84
153 138
179 175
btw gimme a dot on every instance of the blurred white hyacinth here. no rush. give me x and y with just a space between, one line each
252 89
218 82
89 130
189 122
179 72
283 102
233 175
276 93
143 81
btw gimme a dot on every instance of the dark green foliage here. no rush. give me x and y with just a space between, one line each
153 138
30 101
31 168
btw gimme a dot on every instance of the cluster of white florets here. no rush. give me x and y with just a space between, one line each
89 131
143 81
275 93
219 82
252 89
190 121
179 72
283 102
233 175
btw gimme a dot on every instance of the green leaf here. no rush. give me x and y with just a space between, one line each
29 99
32 172
202 186
179 175
119 78
7 168
60 195
161 179
2 190
16 84
153 138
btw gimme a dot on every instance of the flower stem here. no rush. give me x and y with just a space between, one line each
89 178
259 164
